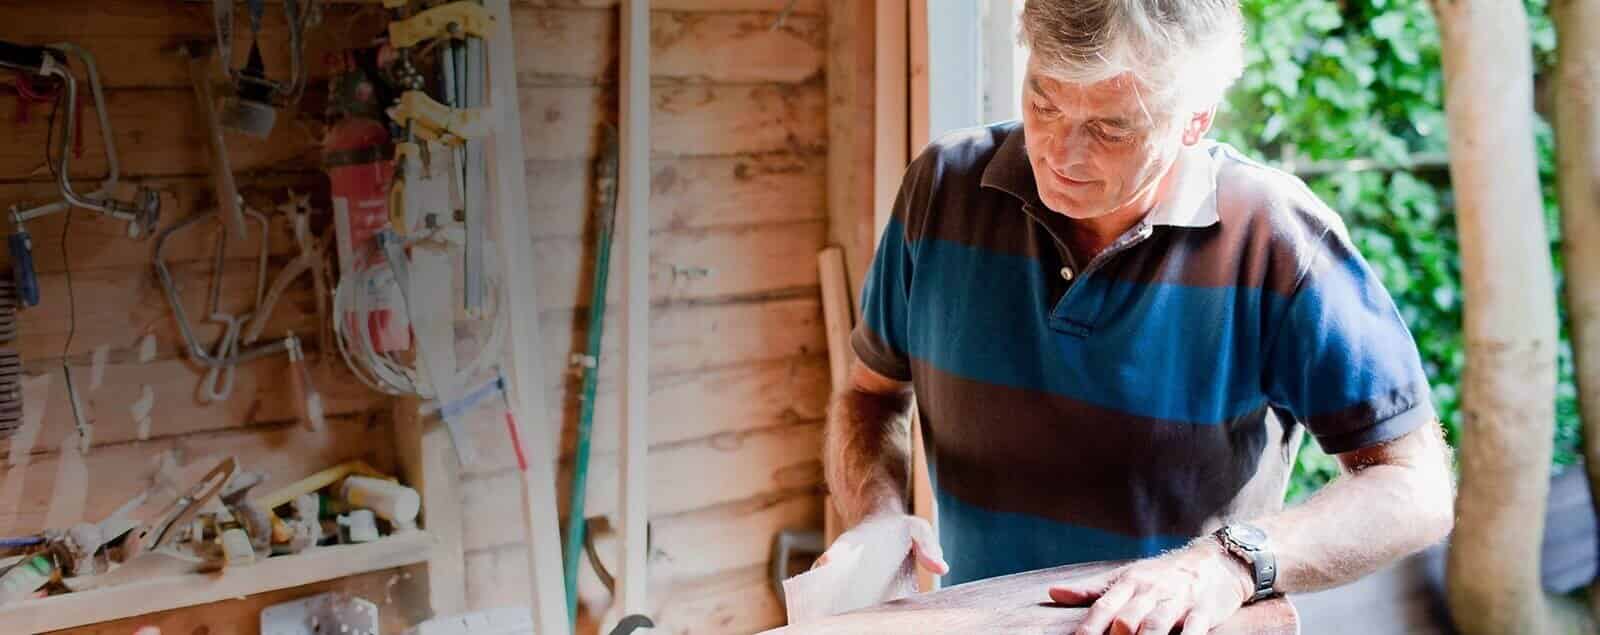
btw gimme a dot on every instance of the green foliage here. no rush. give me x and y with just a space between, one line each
1334 80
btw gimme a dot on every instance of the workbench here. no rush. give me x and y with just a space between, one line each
1017 603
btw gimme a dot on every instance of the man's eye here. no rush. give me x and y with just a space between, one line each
1112 136
1045 110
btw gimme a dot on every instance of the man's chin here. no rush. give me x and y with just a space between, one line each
1076 210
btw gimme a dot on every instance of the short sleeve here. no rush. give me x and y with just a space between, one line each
880 339
1341 359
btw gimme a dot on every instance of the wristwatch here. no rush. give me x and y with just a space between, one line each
1249 544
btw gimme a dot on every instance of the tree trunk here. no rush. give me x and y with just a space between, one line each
1508 386
1577 120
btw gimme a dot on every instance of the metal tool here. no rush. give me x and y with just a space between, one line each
223 186
218 381
10 391
195 348
459 121
442 379
605 225
253 106
141 212
159 533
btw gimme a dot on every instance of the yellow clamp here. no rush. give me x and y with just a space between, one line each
456 20
403 151
436 122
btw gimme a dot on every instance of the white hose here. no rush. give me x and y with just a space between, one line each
384 372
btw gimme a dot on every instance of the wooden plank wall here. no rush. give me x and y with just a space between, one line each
738 361
50 476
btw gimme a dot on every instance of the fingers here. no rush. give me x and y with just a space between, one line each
1082 592
1131 617
1162 618
925 546
1113 602
1197 623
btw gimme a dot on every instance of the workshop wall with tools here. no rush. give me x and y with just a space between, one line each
117 403
738 363
118 415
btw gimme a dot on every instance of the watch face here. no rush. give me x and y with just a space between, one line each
1247 536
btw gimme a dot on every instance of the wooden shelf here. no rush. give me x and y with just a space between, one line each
160 594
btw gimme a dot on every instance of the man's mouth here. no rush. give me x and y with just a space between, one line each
1069 181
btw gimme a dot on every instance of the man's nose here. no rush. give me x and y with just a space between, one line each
1069 148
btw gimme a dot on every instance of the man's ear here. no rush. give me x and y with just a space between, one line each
1198 125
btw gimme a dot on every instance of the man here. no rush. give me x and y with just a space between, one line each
1116 334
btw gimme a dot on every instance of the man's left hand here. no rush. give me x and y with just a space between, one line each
1197 587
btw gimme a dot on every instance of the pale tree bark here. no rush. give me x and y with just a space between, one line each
1508 386
1577 123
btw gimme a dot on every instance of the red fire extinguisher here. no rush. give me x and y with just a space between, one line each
356 154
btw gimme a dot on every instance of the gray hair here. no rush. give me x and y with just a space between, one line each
1186 52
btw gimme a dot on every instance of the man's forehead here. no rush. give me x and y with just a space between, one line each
1113 98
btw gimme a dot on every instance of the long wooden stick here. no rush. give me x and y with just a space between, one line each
838 320
635 190
529 413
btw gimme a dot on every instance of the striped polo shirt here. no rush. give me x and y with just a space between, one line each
1117 408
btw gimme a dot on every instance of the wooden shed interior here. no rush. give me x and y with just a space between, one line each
760 155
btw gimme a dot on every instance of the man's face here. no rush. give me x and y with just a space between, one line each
1094 148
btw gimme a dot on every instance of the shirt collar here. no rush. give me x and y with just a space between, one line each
1193 202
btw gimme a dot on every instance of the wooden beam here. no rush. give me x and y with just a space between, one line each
920 117
1017 604
530 415
424 453
635 196
838 321
890 109
851 86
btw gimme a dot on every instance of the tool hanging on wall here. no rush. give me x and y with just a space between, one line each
222 183
252 108
605 225
218 381
458 120
230 353
141 212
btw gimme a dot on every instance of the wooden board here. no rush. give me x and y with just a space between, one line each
696 337
851 91
739 601
686 192
395 591
1016 604
779 458
168 592
689 406
117 472
134 42
797 7
563 122
742 531
261 395
690 265
150 144
700 46
98 242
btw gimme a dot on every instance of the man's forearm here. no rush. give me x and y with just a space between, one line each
1364 520
866 447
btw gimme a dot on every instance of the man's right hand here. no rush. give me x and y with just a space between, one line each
885 529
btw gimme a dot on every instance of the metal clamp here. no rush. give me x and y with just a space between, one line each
433 121
196 349
143 210
456 20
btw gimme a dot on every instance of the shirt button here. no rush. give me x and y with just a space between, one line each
1066 274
